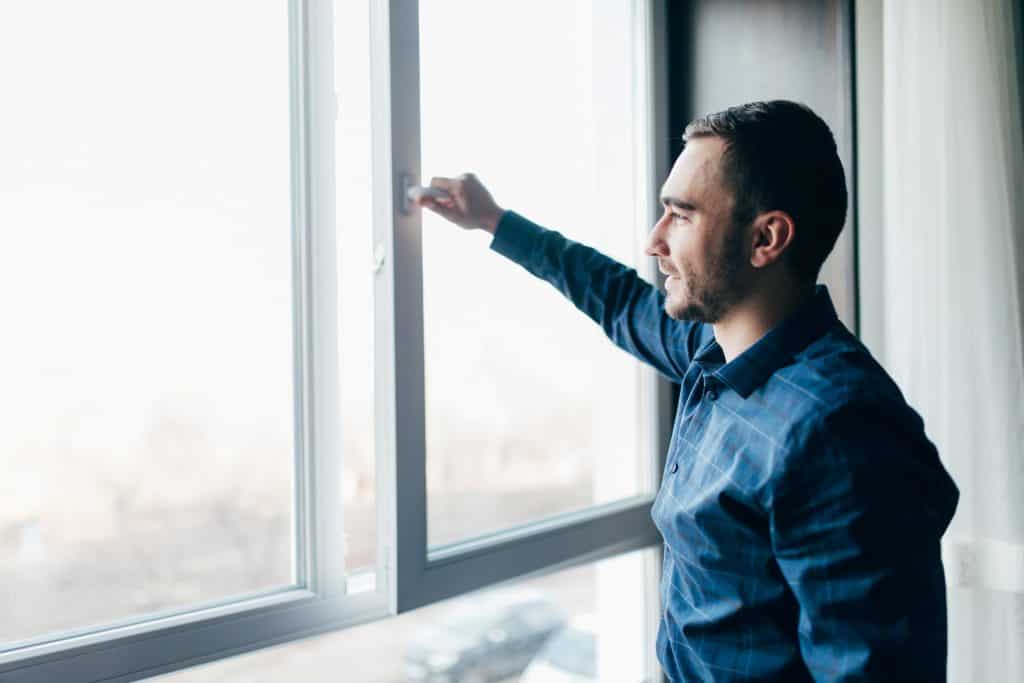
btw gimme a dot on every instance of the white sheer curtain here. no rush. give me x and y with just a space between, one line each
954 269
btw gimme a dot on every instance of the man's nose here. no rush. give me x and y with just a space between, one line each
655 242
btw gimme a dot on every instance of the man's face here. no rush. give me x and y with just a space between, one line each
705 256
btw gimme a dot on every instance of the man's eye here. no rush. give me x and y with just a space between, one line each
677 217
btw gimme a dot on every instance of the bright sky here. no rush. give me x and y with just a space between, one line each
144 199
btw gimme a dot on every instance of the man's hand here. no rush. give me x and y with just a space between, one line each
469 205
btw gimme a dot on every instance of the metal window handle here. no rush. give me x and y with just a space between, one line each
411 191
405 183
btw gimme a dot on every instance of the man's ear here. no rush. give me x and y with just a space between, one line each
772 234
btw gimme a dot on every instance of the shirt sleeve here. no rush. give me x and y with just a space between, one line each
856 522
629 309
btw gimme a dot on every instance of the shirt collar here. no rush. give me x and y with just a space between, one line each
752 368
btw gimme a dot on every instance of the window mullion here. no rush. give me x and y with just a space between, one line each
398 333
410 420
318 531
321 473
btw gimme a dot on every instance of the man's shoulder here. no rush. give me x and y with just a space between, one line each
837 372
833 383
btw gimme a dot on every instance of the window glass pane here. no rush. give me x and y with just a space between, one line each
146 285
355 283
530 410
583 624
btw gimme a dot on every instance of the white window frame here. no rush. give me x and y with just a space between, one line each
409 574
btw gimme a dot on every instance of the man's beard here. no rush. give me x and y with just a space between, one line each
710 297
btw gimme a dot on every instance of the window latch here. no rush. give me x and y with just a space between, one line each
405 182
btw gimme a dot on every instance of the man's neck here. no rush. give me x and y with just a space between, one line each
756 315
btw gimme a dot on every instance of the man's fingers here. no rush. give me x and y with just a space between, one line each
437 207
435 202
421 195
443 201
463 201
444 183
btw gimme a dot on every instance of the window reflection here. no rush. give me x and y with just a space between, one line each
584 624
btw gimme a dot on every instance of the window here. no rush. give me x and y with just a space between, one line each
519 423
147 285
235 413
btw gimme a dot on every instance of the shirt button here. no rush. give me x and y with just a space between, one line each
712 394
674 468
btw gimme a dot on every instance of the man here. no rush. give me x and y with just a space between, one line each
801 503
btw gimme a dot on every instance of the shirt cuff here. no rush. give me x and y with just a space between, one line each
515 236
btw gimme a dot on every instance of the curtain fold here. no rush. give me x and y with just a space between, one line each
953 160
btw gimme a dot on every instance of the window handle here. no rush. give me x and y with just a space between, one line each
405 182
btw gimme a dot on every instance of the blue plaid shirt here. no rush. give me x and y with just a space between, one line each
801 503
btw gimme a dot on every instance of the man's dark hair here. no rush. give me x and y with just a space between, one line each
780 155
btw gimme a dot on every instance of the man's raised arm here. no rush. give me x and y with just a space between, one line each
629 309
